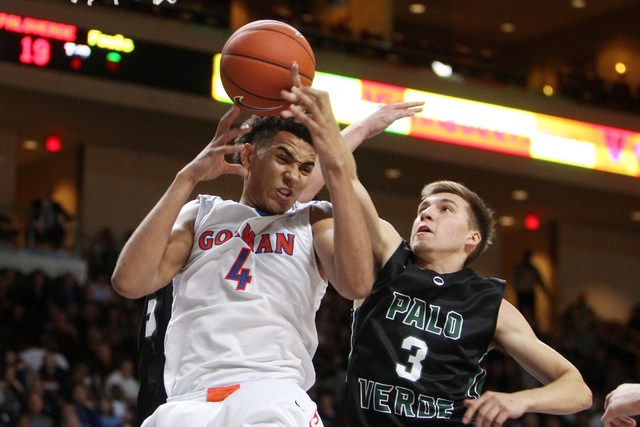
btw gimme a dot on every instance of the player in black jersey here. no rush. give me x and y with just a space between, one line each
157 312
420 337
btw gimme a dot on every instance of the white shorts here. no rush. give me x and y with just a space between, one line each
264 403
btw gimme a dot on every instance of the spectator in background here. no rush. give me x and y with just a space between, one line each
12 392
84 406
69 417
104 253
35 411
526 279
107 416
46 221
67 294
54 377
99 290
123 377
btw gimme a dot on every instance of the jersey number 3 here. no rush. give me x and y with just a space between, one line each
417 353
239 274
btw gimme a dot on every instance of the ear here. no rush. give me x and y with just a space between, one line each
474 238
246 155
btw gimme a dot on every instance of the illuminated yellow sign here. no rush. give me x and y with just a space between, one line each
480 125
118 42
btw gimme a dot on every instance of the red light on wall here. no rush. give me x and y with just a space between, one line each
76 63
53 143
113 61
531 222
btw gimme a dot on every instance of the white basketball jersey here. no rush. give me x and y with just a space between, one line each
244 304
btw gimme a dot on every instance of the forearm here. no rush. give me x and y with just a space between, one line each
353 135
566 395
138 270
353 259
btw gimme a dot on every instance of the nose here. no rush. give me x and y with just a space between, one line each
426 213
292 175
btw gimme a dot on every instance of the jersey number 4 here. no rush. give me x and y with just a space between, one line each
239 274
417 350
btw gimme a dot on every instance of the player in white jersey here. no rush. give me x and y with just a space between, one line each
260 304
251 274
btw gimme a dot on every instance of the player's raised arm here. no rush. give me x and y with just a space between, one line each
161 244
354 134
341 242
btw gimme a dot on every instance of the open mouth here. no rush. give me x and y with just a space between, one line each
424 229
285 193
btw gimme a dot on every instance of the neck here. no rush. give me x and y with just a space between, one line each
440 264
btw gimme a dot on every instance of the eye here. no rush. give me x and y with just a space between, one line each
282 158
447 209
306 170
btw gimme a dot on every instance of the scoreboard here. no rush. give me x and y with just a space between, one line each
33 42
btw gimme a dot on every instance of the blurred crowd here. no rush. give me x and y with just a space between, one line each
69 352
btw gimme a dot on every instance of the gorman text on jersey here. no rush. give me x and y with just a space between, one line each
280 243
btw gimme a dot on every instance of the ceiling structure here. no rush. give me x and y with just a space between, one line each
518 36
478 22
539 27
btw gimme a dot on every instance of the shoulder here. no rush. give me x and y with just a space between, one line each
318 210
510 323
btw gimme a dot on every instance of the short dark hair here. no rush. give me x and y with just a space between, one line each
480 215
265 128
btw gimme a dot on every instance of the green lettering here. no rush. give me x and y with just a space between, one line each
445 407
400 304
416 315
453 327
366 388
381 398
404 402
433 319
426 406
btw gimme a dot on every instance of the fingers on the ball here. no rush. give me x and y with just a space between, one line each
295 75
288 95
307 96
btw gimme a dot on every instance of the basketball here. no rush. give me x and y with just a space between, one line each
255 65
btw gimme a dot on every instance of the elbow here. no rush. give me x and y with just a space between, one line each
124 287
356 291
361 293
587 398
583 395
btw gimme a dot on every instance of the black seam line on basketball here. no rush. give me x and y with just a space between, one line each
238 99
266 62
273 30
249 92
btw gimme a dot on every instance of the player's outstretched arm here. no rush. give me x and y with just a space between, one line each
354 134
161 244
340 240
620 405
564 391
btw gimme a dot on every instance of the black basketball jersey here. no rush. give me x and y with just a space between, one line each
157 312
418 342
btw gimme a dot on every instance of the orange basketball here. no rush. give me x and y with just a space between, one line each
256 61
